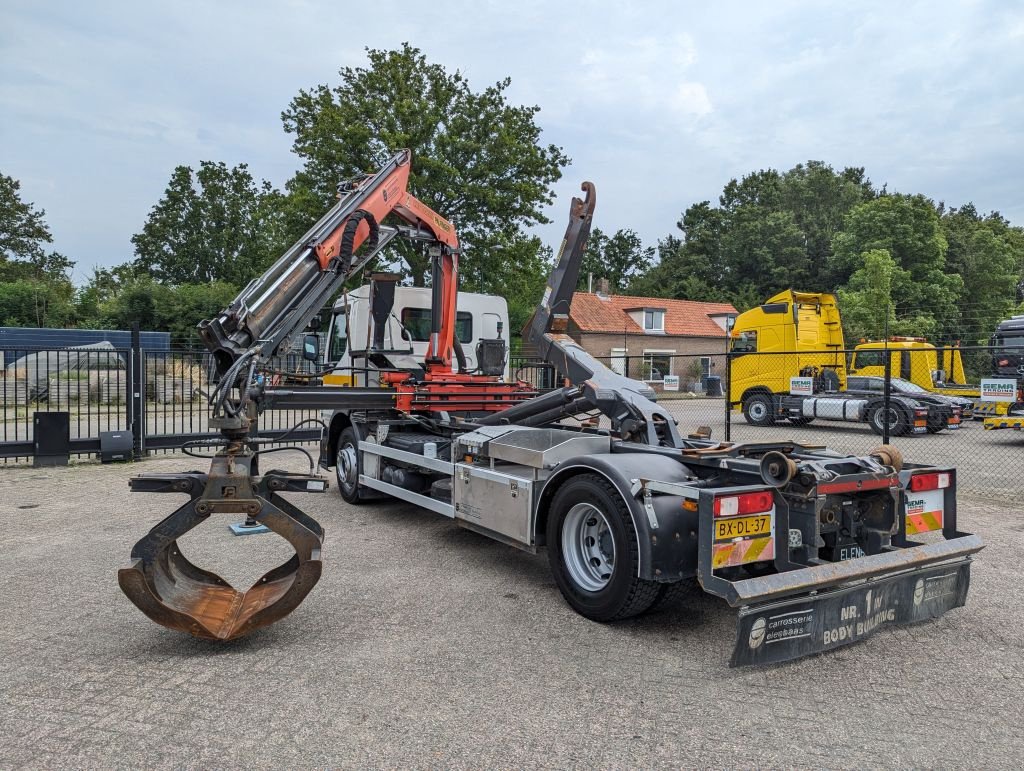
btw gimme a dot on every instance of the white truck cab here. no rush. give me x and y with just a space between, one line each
478 317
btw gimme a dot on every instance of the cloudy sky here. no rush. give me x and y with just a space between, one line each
659 103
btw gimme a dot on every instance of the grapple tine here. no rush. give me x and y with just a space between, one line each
173 592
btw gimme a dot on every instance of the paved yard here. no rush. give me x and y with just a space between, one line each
427 645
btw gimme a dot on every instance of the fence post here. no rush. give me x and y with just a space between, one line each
137 394
727 392
887 385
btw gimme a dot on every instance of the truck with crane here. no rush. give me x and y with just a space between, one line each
816 549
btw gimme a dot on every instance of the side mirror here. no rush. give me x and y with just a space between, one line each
311 348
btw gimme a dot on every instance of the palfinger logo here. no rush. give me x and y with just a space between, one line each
919 591
756 634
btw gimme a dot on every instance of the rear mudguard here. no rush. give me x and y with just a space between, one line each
666 534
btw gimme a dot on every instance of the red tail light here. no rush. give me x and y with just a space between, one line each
920 483
746 503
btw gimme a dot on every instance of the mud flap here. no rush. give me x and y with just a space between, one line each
792 628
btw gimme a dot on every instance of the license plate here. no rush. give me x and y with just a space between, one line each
793 628
742 527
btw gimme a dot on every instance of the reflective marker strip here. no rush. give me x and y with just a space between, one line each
924 522
742 552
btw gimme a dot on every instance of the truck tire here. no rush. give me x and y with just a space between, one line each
899 424
759 410
593 551
672 595
348 466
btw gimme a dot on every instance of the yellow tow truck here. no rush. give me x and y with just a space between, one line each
939 369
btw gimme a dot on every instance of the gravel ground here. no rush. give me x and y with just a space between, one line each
427 645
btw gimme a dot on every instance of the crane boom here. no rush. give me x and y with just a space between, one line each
282 301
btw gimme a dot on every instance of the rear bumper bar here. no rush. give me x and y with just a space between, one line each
820 577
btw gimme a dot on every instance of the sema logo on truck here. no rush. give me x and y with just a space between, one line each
998 390
801 386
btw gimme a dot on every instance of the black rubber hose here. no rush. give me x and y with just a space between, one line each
348 237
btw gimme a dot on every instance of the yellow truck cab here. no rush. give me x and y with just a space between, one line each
805 322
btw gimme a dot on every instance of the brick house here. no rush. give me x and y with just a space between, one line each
650 337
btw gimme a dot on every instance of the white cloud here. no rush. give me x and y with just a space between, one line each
644 96
647 73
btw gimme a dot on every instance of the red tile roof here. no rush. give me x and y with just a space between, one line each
687 318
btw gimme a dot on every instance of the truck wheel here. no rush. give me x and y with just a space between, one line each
898 423
593 552
348 466
759 410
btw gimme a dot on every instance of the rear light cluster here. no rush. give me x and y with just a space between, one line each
920 483
745 503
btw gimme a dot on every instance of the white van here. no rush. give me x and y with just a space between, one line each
478 317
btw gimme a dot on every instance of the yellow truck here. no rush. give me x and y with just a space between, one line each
936 369
789 363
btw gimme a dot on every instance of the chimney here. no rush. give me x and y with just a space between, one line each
603 287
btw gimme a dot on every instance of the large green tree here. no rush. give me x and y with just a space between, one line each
988 254
907 227
620 258
34 286
769 231
213 224
477 159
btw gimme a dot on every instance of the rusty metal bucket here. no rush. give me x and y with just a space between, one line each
173 592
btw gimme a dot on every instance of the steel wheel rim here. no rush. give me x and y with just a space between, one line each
892 418
348 469
588 547
758 410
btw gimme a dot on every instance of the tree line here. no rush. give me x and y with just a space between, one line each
897 261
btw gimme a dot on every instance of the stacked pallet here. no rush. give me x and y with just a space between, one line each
168 390
106 386
13 390
63 390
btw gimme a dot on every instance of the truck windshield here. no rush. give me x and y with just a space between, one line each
1010 341
868 359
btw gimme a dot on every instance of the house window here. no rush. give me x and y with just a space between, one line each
654 320
705 366
657 364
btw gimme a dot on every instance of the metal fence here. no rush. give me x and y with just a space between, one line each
160 397
836 410
705 393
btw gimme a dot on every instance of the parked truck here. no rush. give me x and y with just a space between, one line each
800 335
936 369
816 549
